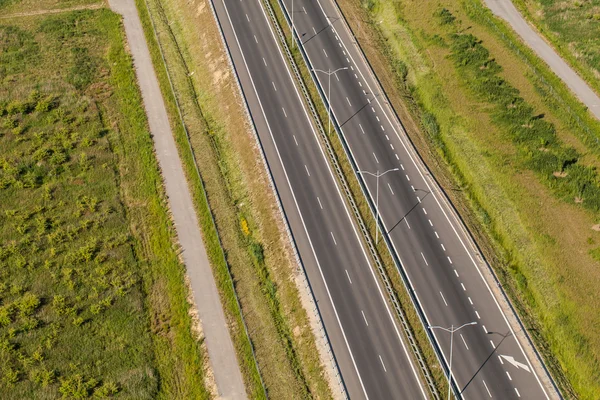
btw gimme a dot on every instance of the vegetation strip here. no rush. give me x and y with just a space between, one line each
342 178
106 309
274 302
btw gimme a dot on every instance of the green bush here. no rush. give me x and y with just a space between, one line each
445 16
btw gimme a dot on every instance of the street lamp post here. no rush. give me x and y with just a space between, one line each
329 73
377 175
451 330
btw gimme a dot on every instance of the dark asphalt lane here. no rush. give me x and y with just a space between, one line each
373 359
446 279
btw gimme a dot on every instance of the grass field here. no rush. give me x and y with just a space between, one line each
534 224
92 295
573 27
23 6
247 220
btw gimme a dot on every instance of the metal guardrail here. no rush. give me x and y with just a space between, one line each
350 198
204 189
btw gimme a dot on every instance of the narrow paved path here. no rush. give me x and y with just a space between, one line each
506 10
221 352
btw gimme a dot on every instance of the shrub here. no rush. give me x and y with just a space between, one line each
28 304
445 16
257 253
108 389
77 387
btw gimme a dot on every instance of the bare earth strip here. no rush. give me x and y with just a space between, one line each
218 341
506 10
52 11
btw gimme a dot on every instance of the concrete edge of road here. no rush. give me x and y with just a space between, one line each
488 273
333 371
351 201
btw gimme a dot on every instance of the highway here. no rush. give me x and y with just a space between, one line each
488 360
367 344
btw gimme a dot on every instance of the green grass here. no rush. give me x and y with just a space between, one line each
92 296
26 6
239 199
573 27
533 230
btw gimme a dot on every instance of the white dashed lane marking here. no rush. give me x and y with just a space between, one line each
444 299
325 53
319 201
486 388
424 259
333 237
295 140
464 341
390 188
306 169
348 275
365 318
382 364
375 158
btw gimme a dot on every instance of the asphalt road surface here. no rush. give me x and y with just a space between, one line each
366 342
488 360
506 10
221 352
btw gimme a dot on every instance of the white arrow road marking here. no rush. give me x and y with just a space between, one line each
514 362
